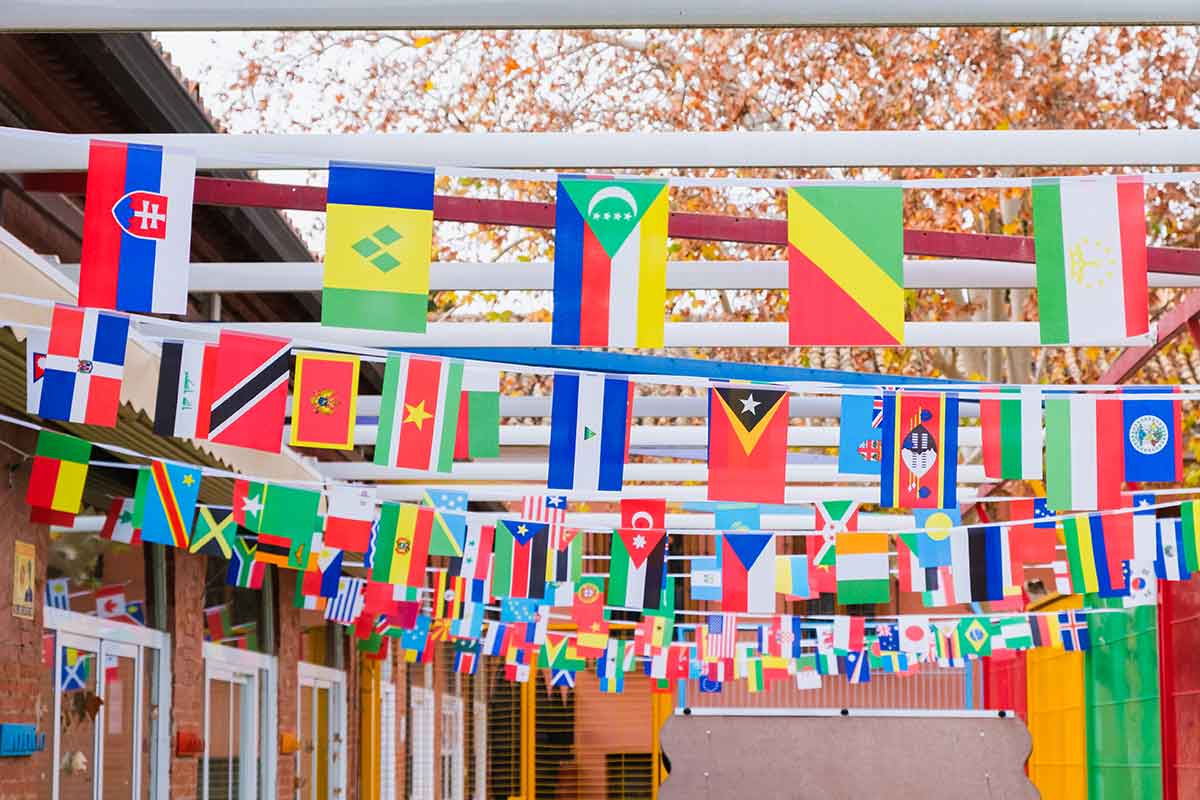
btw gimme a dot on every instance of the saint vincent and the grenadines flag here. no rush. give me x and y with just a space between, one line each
920 450
610 263
378 242
418 415
747 443
845 265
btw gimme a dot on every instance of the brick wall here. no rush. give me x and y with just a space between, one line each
288 635
26 689
185 622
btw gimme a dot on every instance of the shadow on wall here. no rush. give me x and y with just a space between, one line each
798 758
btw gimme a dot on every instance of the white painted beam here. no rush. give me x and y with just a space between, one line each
805 521
305 276
27 151
496 492
678 334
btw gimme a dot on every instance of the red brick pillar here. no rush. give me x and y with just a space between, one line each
400 677
353 714
185 623
287 633
26 691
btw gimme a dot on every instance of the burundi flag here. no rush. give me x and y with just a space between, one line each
637 568
920 450
323 399
60 468
401 545
610 263
1011 420
378 241
862 568
747 443
845 265
748 572
418 413
83 366
1090 240
1084 453
589 432
165 502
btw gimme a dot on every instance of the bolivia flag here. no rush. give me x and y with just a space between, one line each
323 400
378 240
1011 418
1084 453
419 413
863 574
60 466
1090 241
401 548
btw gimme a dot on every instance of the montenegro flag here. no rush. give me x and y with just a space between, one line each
323 400
747 444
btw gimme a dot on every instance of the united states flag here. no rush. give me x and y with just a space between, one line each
720 636
551 509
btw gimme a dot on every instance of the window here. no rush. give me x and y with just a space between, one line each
628 776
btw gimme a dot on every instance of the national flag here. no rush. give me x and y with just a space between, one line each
324 396
165 502
59 472
58 593
1092 571
110 601
862 568
1011 420
250 390
564 564
466 657
1170 563
1153 444
1084 454
651 635
588 615
1142 584
791 577
982 563
214 533
76 669
414 640
83 366
860 442
476 561
589 432
836 516
845 265
449 521
786 637
323 581
217 623
933 541
551 509
939 588
748 572
1090 240
1189 512
495 639
184 397
1033 542
720 636
1073 630
137 227
345 607
350 516
470 624
704 578
912 576
419 412
914 634
610 263
277 509
378 243
449 594
402 544
637 568
920 450
478 432
849 633
519 563
822 562
518 610
975 635
1013 633
858 667
244 570
1145 528
36 344
747 443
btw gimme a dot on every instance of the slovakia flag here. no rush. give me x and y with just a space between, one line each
137 228
83 366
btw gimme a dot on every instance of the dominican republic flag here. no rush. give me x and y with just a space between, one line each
748 572
83 366
589 432
137 228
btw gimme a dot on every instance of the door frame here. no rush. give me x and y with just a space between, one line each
333 680
106 637
261 670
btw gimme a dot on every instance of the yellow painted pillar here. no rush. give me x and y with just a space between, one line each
529 738
661 707
368 729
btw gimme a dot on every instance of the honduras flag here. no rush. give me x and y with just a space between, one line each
589 432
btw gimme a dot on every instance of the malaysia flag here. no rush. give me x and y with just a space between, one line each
83 366
137 228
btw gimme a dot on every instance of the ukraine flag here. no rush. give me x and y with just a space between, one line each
378 239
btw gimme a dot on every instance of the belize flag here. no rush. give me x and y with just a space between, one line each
610 263
83 366
589 432
137 228
1153 446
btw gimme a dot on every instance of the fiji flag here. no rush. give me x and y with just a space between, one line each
589 432
137 228
860 436
610 263
84 364
1153 446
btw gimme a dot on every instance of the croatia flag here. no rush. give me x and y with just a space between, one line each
83 366
137 228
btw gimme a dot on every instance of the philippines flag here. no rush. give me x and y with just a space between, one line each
83 366
137 228
589 432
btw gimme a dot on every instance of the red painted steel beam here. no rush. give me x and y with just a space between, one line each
709 227
1180 318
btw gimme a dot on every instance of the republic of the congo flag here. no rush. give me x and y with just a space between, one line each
378 239
845 265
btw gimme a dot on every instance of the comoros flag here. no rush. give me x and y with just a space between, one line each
137 228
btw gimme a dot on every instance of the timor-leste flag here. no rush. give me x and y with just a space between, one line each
845 265
323 400
747 443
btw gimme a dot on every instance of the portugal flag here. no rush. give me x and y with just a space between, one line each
323 400
747 444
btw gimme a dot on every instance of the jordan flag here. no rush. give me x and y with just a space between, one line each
747 444
748 572
637 567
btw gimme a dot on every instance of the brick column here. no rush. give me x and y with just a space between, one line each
185 623
287 633
353 718
26 690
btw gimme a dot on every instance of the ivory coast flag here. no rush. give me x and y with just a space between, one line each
845 265
1090 240
378 240
418 413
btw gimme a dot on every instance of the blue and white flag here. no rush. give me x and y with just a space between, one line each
57 594
348 603
589 426
860 435
1153 446
1169 563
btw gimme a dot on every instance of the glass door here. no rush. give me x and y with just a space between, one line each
321 726
77 706
240 721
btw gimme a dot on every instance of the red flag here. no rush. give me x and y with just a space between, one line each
323 400
643 513
747 444
250 391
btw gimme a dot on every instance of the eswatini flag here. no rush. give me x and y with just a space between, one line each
1090 240
1011 418
610 263
845 265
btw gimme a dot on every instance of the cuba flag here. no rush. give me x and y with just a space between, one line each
137 228
1153 446
589 432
